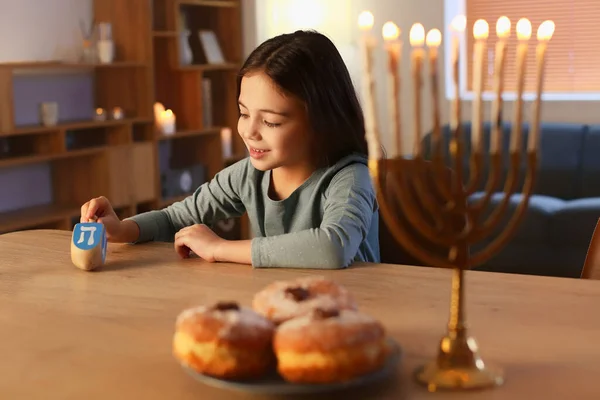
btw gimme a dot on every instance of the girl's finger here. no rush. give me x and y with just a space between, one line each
181 248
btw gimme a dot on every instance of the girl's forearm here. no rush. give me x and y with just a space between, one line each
234 251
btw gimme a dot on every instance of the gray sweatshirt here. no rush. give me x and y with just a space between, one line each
330 221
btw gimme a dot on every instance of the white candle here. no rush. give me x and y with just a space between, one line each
393 47
503 32
167 121
433 41
226 142
480 33
544 34
523 34
367 44
417 39
457 27
159 110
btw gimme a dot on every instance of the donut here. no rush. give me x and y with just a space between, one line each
329 346
224 340
284 300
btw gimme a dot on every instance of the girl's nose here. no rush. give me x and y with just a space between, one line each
251 131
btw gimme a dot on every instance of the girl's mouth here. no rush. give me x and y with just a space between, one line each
257 153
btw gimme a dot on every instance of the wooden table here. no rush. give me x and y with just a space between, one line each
70 334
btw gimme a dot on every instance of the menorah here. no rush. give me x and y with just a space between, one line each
427 204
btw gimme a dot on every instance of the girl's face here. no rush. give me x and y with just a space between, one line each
274 127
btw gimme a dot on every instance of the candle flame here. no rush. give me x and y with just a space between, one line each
545 31
390 31
366 20
168 113
459 23
503 27
433 38
523 29
417 35
481 29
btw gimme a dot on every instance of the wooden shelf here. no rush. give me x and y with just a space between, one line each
209 67
40 158
71 126
39 215
122 159
210 3
68 65
165 34
190 132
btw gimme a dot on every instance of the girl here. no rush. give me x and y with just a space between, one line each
305 186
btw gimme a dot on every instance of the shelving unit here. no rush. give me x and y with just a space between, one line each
124 159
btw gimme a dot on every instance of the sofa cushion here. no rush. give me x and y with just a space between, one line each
589 184
536 226
561 149
575 221
559 167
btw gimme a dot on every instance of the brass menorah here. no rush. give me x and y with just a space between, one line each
427 205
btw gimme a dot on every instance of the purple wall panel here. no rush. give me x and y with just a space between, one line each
26 186
31 185
74 94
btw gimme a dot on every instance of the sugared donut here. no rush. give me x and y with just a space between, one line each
329 346
284 300
224 340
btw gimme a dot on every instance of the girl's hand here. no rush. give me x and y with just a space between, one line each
199 239
99 209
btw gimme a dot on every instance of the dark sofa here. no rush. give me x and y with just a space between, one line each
554 235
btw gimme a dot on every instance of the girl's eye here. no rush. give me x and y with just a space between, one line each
242 115
271 125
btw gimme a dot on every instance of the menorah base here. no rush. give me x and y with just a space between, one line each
458 367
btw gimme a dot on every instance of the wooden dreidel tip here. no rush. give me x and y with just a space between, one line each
88 245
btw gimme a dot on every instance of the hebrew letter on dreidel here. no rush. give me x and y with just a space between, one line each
88 245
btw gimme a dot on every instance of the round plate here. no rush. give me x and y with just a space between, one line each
274 384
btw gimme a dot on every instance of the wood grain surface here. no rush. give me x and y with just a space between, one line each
71 334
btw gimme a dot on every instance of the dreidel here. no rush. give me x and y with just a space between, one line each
88 245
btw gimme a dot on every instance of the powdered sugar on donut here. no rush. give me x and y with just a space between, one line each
276 303
234 322
345 318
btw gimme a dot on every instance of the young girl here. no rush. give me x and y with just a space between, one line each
306 185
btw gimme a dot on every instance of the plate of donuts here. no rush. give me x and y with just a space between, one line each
299 337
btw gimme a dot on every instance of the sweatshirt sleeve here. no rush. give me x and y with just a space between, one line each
214 200
348 211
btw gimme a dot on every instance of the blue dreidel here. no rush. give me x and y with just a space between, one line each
88 245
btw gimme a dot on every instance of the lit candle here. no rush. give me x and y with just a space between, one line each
544 34
117 113
365 23
100 114
457 27
523 34
433 41
393 46
480 33
159 110
226 142
417 39
167 121
503 32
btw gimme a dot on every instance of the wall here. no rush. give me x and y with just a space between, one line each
34 30
404 13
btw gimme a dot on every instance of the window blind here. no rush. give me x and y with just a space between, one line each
573 54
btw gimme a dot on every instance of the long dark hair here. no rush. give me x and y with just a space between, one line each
307 65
